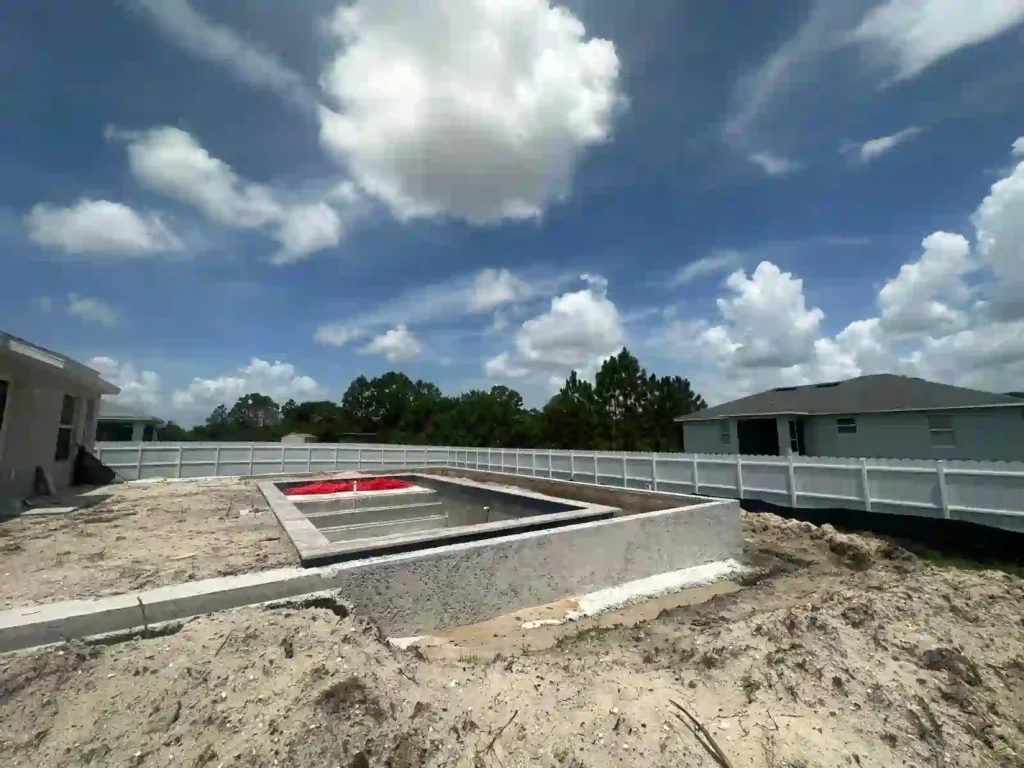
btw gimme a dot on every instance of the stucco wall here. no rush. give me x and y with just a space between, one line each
31 423
995 434
706 437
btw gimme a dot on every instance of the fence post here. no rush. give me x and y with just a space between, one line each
181 449
252 451
335 458
138 463
216 461
625 474
739 476
283 452
792 481
696 476
550 473
943 492
572 464
517 462
405 458
654 471
864 486
359 459
597 477
309 460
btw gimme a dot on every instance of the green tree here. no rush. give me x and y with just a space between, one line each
254 412
571 418
172 433
667 398
621 391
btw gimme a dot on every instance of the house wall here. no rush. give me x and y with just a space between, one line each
995 434
706 437
31 422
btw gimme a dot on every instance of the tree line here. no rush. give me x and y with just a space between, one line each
625 408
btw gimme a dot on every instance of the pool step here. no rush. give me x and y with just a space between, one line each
391 528
341 502
338 519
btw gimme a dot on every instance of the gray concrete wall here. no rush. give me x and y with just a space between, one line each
31 424
706 437
995 434
465 505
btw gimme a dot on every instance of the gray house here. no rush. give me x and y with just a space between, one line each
48 405
880 416
119 423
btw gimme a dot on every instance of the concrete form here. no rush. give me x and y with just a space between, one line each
436 511
419 592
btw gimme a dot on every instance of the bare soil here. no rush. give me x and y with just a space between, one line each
140 536
844 650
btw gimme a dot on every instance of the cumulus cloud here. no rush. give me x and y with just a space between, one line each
138 388
219 44
931 322
170 161
872 149
100 228
397 345
494 288
999 222
478 110
92 310
280 381
577 332
774 165
337 334
908 36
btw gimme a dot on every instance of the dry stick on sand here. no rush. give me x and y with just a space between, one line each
493 741
700 733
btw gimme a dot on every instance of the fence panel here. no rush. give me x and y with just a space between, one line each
990 493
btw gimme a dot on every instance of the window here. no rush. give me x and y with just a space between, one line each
846 425
941 430
726 436
66 430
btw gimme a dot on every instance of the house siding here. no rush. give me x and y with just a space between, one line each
706 437
30 426
995 434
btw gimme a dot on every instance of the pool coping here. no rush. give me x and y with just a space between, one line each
313 548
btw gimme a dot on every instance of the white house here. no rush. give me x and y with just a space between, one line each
881 416
118 423
48 405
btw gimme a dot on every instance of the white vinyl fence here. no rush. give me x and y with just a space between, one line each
989 493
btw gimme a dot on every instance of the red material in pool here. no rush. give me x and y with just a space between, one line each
347 486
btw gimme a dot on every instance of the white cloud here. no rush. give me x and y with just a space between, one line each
999 222
170 161
494 288
924 296
872 149
713 264
767 319
138 388
502 367
92 310
477 110
99 228
908 36
221 45
579 330
774 165
280 381
337 334
397 345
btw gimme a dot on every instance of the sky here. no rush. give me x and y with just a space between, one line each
204 199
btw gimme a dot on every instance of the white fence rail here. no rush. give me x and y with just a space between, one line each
989 493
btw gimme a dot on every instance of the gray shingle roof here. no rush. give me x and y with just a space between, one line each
879 393
111 411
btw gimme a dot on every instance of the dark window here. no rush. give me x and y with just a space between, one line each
940 429
66 429
147 433
846 426
113 432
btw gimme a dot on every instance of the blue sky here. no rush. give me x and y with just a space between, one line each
205 199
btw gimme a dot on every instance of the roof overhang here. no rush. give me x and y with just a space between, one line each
56 364
698 417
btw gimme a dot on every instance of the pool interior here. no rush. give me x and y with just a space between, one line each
432 505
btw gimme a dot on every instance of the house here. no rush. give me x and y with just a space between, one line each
118 423
48 405
298 438
879 416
